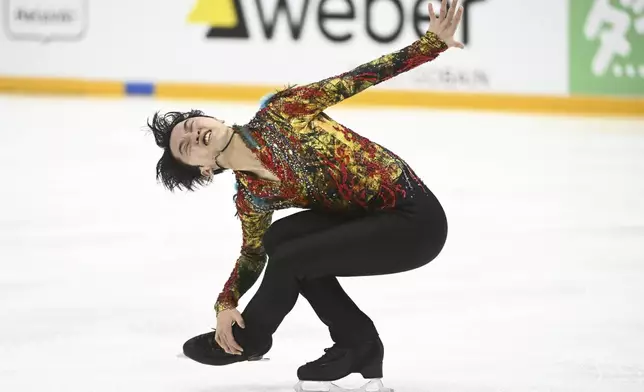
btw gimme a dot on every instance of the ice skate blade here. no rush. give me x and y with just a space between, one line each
258 359
374 385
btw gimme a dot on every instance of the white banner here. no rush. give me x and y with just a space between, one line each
512 46
42 20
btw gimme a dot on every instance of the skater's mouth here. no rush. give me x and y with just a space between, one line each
206 138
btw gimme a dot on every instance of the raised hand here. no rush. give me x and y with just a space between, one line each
445 24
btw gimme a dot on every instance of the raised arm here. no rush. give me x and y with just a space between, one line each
309 100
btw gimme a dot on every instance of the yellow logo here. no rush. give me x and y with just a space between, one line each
225 18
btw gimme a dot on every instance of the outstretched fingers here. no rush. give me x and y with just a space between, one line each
445 24
432 14
450 13
457 21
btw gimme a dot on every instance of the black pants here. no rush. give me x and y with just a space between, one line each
308 250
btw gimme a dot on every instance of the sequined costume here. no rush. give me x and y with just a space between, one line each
321 164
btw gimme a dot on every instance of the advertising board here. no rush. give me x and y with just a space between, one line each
276 42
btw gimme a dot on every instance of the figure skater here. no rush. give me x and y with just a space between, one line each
365 211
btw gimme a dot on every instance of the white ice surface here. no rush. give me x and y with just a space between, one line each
540 288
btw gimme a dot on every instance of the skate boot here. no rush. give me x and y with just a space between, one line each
204 349
340 361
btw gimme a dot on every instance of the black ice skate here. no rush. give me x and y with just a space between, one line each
340 361
204 349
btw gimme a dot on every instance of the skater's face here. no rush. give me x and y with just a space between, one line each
198 141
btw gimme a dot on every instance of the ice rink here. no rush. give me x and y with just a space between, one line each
540 288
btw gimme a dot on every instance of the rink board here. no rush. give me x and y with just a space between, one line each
572 105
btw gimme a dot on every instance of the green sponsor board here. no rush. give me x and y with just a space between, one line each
607 47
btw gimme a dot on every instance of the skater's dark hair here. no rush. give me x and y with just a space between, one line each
171 172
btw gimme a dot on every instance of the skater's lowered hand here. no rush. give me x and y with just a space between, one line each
445 24
224 332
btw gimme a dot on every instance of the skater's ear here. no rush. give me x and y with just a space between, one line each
206 171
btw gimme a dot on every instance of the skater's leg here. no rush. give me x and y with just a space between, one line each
376 243
373 243
203 349
346 322
381 242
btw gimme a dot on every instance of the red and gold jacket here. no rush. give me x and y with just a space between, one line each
320 163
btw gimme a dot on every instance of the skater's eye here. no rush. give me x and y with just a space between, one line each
182 148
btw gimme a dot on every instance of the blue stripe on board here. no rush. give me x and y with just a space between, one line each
139 88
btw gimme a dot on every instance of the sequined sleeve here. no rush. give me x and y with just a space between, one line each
252 259
309 100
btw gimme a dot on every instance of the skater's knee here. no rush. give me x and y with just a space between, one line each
435 232
430 244
436 244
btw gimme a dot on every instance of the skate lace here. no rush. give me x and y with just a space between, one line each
331 353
